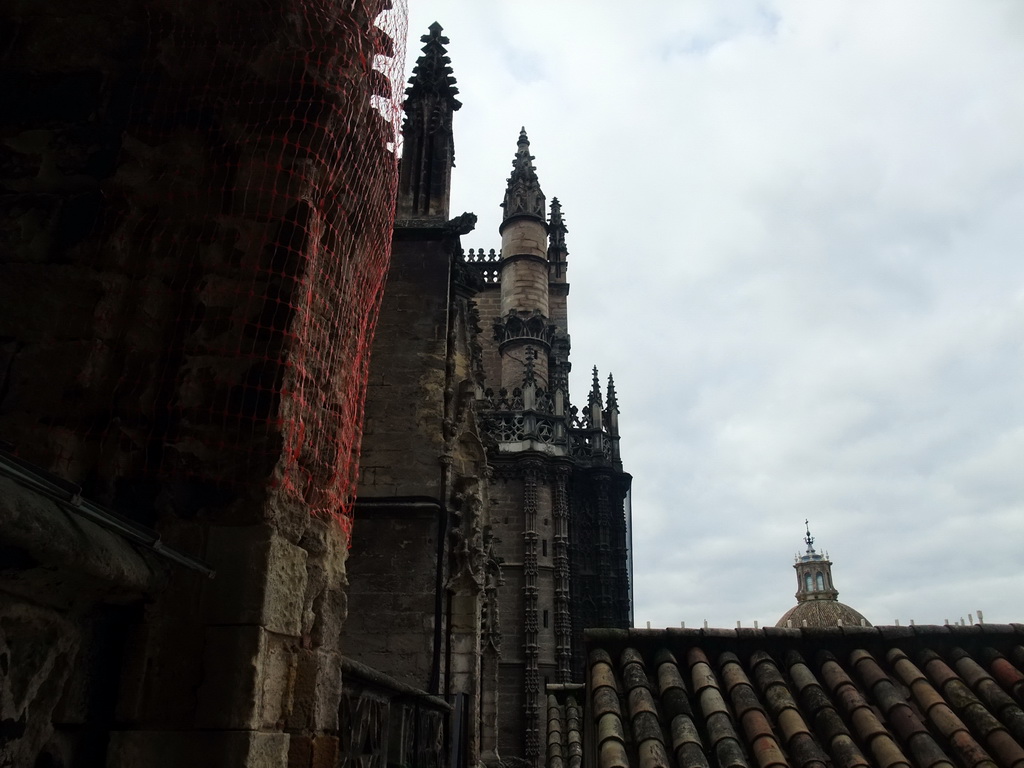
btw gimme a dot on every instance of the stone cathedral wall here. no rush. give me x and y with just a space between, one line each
190 264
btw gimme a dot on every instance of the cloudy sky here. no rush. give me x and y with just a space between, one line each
795 234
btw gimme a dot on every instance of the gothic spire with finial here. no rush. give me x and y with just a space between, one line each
613 401
595 390
556 226
523 196
432 75
428 145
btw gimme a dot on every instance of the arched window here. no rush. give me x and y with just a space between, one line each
821 581
808 583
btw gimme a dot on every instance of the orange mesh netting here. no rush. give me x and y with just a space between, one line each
247 237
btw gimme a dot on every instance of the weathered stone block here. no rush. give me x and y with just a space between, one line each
232 689
313 752
317 691
410 643
38 648
261 579
197 749
277 671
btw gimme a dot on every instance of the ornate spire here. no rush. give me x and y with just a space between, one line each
432 75
595 390
556 227
613 401
523 197
428 146
808 539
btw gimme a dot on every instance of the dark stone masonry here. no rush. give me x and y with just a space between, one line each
196 208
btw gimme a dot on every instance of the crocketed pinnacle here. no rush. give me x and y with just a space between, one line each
432 75
595 390
530 371
613 401
523 197
556 226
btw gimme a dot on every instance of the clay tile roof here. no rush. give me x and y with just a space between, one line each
821 613
849 697
565 726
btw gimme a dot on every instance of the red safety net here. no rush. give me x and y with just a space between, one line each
248 231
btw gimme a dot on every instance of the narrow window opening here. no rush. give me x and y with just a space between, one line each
821 581
545 619
544 547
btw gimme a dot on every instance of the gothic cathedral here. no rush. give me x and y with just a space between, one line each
492 521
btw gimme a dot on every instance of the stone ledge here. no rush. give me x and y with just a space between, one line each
198 749
353 670
64 557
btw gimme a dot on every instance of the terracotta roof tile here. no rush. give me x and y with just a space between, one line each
644 718
996 700
564 736
722 736
556 757
574 735
985 724
783 708
1007 674
852 697
686 741
751 714
937 711
869 729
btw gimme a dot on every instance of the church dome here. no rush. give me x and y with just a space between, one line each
817 598
822 613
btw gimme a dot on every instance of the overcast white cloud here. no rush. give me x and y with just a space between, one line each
795 238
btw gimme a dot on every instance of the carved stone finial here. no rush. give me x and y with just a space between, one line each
595 390
432 75
613 401
428 144
523 197
556 226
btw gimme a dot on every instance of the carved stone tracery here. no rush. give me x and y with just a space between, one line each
563 621
531 680
518 325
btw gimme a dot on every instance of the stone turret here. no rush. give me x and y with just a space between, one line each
524 273
428 145
557 493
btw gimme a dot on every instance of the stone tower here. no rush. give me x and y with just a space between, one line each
491 524
422 581
558 495
817 598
